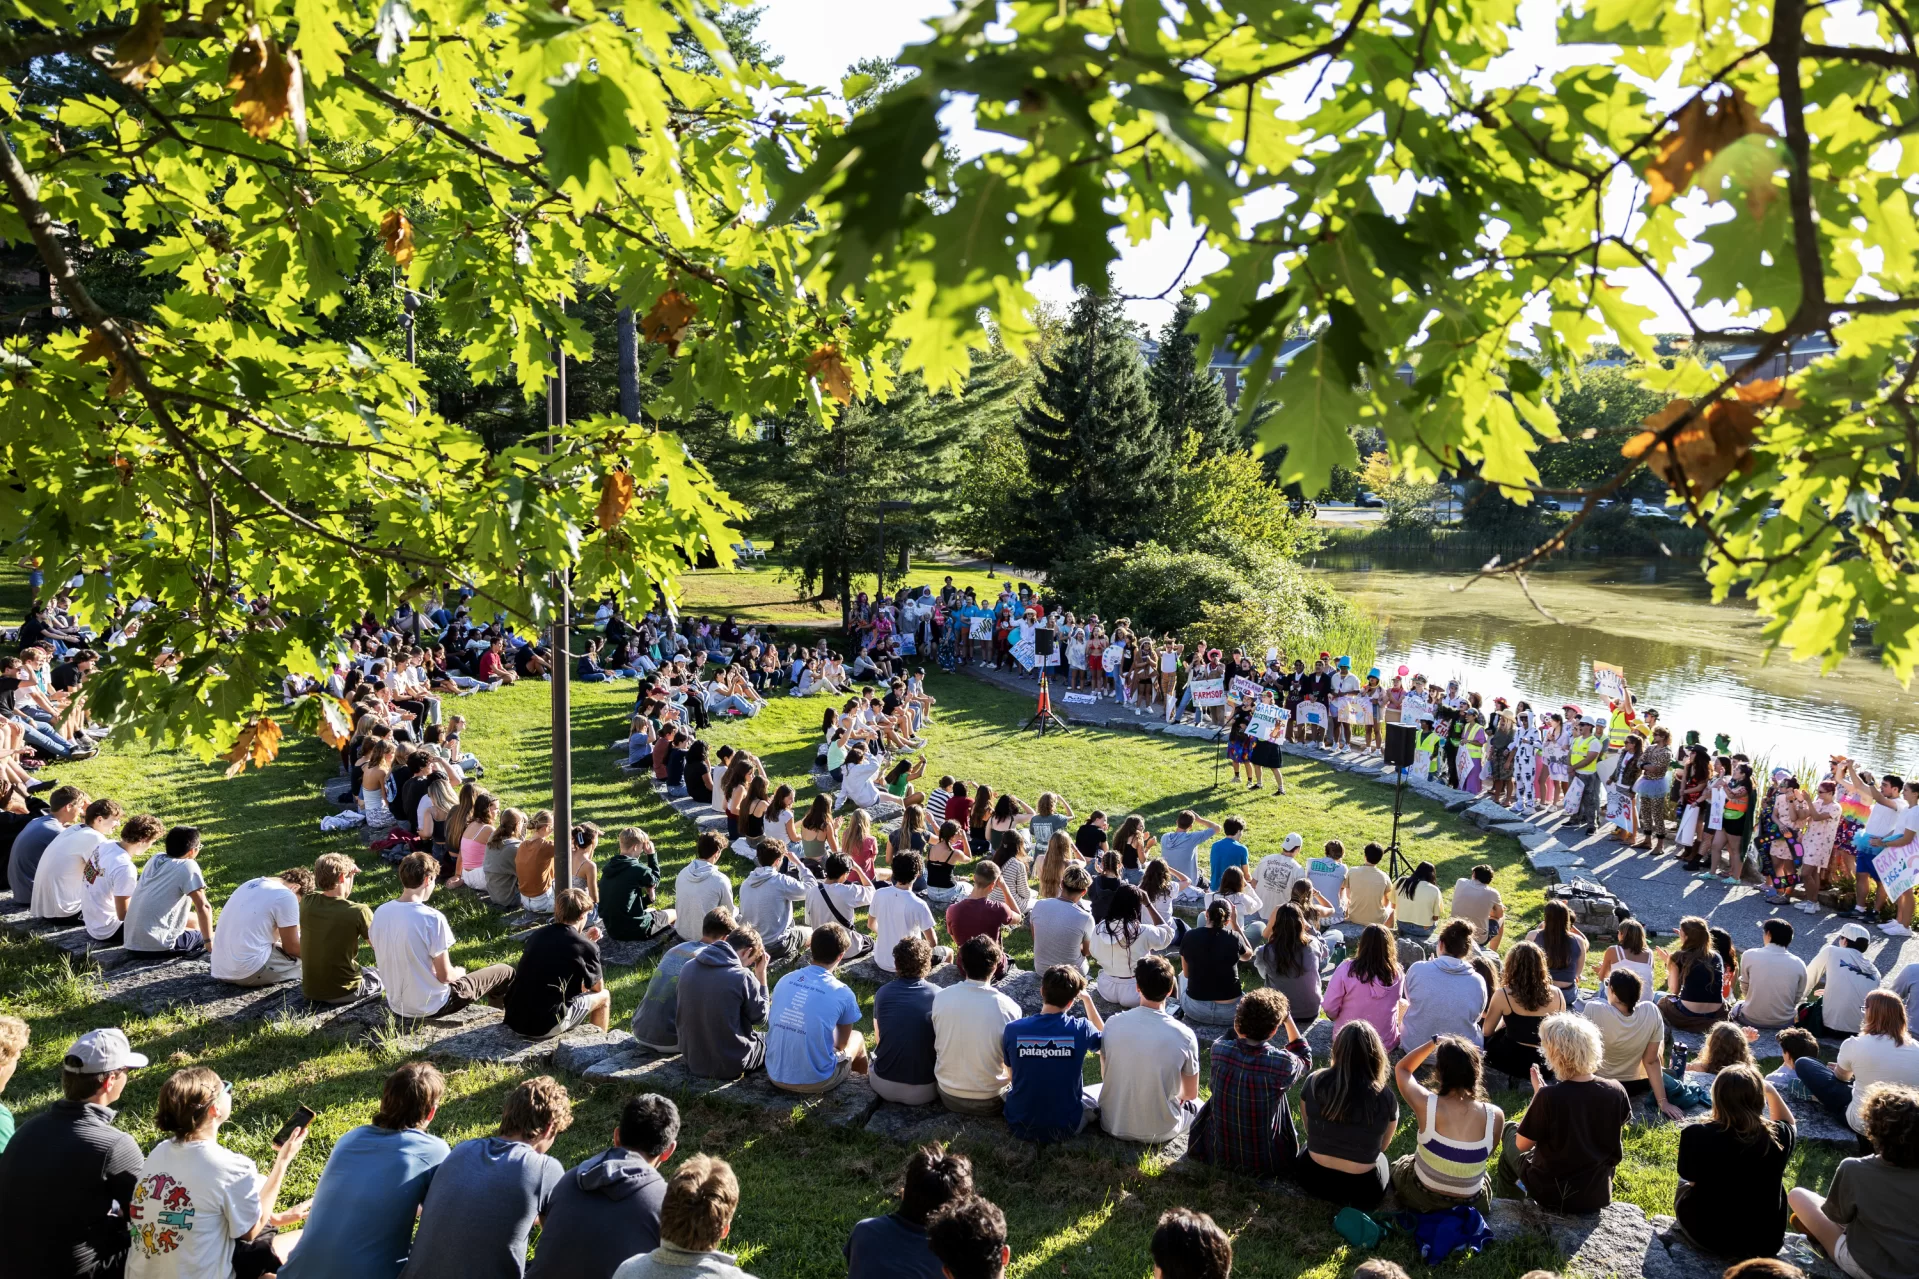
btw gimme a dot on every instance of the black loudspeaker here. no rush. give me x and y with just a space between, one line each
1043 641
1399 745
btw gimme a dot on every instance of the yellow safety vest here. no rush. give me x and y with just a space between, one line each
1617 731
1585 754
1475 750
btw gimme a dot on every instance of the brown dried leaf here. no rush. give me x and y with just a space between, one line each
266 84
1768 393
616 498
96 347
336 721
667 322
828 368
258 744
1702 453
396 236
142 51
1700 131
125 467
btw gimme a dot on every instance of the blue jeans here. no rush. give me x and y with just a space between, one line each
733 702
597 677
45 741
1832 1093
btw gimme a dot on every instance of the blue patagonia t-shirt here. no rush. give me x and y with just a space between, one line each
1047 1055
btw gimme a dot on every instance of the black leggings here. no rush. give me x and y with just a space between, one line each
1361 1190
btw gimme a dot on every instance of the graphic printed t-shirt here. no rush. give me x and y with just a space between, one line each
406 936
248 927
109 873
193 1199
809 1006
1274 878
1047 1055
157 915
1327 876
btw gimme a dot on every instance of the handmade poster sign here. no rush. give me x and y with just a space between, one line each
1414 709
1311 714
1208 692
1023 653
1265 722
1079 699
1243 687
981 628
1609 681
1898 869
908 646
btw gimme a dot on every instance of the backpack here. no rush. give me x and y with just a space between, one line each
1440 1234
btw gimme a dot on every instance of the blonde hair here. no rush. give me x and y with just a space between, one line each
331 869
13 1039
700 1201
1571 1045
186 1099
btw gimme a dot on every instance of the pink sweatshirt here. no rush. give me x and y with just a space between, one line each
1350 999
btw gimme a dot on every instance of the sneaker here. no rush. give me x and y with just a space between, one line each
1809 908
1893 928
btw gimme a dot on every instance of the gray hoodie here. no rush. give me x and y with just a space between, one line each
699 887
1444 996
720 1004
766 900
602 1212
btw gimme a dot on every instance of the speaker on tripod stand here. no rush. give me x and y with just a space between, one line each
1401 746
1043 718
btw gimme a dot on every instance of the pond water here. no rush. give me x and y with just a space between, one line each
1701 665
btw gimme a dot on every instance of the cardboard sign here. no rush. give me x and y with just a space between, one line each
1609 681
1208 692
1243 687
1311 714
1414 709
1079 699
1023 653
981 628
1266 721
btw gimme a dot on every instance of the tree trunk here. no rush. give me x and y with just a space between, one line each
629 366
905 562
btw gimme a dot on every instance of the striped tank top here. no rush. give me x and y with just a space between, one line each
1447 1165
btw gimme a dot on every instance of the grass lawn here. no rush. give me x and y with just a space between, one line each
1070 1213
764 594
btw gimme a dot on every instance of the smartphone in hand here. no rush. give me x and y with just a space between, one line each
301 1118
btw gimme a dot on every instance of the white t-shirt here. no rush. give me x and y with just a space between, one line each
1116 959
247 930
406 936
896 914
1876 1059
848 895
59 885
109 873
1143 1057
193 1199
968 1058
1274 878
1845 977
1327 876
1885 817
1059 928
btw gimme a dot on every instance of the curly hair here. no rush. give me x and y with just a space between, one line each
1524 976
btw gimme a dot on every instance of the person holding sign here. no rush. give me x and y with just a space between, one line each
1264 729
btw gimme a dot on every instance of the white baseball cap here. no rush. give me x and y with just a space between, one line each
100 1052
1293 842
1854 932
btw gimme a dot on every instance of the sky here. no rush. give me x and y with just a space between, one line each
819 39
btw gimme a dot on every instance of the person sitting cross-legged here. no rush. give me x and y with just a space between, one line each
723 1005
1046 1054
1350 1112
412 944
331 929
1247 1124
171 885
491 1191
981 913
767 895
1458 1130
1732 1199
1149 1064
656 1022
1883 1051
558 983
904 1042
257 939
969 1020
375 1179
629 886
895 1246
111 878
1865 1221
1563 1151
608 1208
812 1040
696 1215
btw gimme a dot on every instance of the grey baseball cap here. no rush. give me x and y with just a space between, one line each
99 1051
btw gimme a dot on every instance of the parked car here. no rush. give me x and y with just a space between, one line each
1647 511
1368 499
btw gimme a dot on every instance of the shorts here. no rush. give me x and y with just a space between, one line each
1842 1257
474 878
841 1070
1863 861
577 1010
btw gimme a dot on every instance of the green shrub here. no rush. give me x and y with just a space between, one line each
1252 599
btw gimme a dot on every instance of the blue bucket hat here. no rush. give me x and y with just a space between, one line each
1346 662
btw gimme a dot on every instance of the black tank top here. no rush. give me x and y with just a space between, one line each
752 827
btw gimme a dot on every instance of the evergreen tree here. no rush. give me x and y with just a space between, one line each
1188 397
1101 464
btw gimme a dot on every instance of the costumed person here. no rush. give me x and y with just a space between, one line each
1525 761
1266 749
1239 742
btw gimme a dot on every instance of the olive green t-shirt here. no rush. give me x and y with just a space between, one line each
331 930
